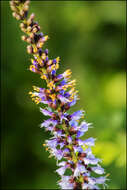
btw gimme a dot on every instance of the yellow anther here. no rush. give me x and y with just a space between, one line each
32 60
71 91
33 95
35 49
57 66
49 62
53 96
48 91
43 77
73 82
46 149
46 37
32 67
43 56
44 145
40 44
57 59
67 73
37 100
51 84
39 61
53 67
65 87
30 92
36 88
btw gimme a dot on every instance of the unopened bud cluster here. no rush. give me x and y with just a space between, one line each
78 167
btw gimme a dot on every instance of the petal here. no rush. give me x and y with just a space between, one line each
46 112
84 126
63 163
89 142
73 123
101 180
80 134
61 170
92 161
62 98
77 115
98 170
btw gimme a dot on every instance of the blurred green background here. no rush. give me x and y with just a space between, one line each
90 39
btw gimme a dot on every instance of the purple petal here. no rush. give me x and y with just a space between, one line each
92 161
101 180
46 112
98 170
73 123
61 170
79 134
84 126
62 98
90 141
77 115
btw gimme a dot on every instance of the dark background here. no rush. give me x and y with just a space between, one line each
90 39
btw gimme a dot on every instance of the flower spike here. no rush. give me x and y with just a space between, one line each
69 150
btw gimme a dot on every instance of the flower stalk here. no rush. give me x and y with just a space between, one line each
77 165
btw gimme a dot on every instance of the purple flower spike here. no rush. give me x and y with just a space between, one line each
71 152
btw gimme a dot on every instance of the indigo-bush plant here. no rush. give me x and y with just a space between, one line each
78 167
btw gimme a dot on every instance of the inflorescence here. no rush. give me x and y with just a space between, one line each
78 167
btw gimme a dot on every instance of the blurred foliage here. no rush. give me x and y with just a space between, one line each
90 39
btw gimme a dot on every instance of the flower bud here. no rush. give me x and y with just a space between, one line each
24 37
21 12
29 40
14 14
30 49
31 35
22 25
29 28
13 8
18 17
26 7
32 16
27 2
